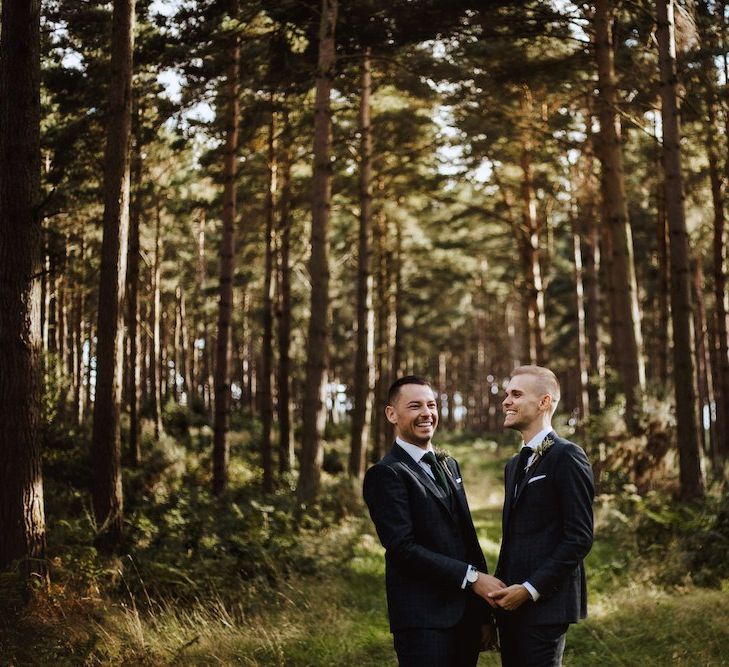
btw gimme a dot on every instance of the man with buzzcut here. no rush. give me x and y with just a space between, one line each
547 528
435 572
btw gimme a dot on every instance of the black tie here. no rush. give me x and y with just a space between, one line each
524 455
438 473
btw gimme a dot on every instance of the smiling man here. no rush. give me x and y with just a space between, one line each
435 572
547 528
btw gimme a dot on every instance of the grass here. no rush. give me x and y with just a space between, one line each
338 616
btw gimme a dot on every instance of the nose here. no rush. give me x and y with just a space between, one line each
507 400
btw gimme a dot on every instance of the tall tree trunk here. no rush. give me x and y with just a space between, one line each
396 312
720 341
266 393
22 521
106 441
221 447
529 235
134 375
317 341
283 310
200 355
61 311
382 355
90 367
155 318
704 379
45 291
627 340
185 357
591 283
664 281
78 339
692 484
583 402
364 366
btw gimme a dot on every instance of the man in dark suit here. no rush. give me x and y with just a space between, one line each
547 528
435 571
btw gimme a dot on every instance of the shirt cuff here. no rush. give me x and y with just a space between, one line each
465 576
532 591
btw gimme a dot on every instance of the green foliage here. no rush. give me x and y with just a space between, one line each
176 420
194 544
670 543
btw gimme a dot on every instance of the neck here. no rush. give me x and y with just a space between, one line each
529 432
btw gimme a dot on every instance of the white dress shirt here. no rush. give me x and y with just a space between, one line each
533 444
417 453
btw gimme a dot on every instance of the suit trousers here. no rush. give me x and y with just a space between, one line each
440 647
530 645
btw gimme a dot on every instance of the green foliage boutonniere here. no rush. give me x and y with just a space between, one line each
442 455
544 446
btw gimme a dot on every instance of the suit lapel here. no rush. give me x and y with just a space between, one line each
530 471
401 455
510 477
457 491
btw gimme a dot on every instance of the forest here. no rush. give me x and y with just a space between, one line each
226 226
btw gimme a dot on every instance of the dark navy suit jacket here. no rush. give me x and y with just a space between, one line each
547 532
429 541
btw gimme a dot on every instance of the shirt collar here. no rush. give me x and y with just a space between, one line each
416 453
539 437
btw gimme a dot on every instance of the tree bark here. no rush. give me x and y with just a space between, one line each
692 483
529 237
22 520
78 339
364 366
583 402
134 375
106 439
382 352
184 345
720 343
627 340
283 312
704 378
155 316
266 394
314 412
221 447
663 288
591 283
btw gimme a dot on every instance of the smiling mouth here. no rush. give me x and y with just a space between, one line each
424 424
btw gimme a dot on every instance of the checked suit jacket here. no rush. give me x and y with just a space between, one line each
429 541
547 533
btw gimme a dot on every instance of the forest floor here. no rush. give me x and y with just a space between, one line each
338 616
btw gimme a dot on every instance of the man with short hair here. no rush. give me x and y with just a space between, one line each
547 528
435 571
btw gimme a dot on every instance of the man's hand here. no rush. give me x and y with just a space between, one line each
511 597
486 584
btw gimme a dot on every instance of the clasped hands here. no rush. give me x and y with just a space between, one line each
498 594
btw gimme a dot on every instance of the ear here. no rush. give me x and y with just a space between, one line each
390 414
546 402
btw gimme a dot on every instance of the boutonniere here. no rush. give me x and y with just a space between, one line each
543 448
442 456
